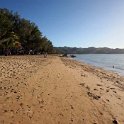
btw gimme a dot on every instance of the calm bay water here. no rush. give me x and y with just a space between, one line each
106 61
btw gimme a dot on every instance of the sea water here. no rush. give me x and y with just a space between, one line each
112 62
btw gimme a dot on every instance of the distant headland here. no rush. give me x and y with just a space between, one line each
89 50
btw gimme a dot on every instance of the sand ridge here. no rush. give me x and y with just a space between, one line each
53 90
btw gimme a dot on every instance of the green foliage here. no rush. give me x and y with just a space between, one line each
16 32
11 41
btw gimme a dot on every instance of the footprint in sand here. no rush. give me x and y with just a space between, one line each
96 89
107 90
112 88
101 89
82 84
93 96
115 121
87 87
83 75
72 107
99 85
114 91
107 100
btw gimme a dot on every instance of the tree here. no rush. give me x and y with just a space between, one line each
11 43
16 32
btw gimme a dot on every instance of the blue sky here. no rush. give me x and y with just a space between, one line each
79 23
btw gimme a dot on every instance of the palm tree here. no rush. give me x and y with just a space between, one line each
12 42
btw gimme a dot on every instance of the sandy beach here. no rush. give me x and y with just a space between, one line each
56 90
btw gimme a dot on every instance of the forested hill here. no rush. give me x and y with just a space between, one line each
21 36
90 50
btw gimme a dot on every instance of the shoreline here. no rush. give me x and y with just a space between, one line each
58 90
98 67
96 70
116 68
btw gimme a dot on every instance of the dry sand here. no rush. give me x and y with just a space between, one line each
53 90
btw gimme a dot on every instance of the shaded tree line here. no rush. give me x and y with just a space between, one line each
21 36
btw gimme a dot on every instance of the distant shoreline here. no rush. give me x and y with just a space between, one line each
89 50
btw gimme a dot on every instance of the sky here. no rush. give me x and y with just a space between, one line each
75 23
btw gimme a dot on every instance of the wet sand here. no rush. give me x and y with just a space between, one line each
53 90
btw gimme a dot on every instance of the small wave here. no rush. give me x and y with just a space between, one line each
119 68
